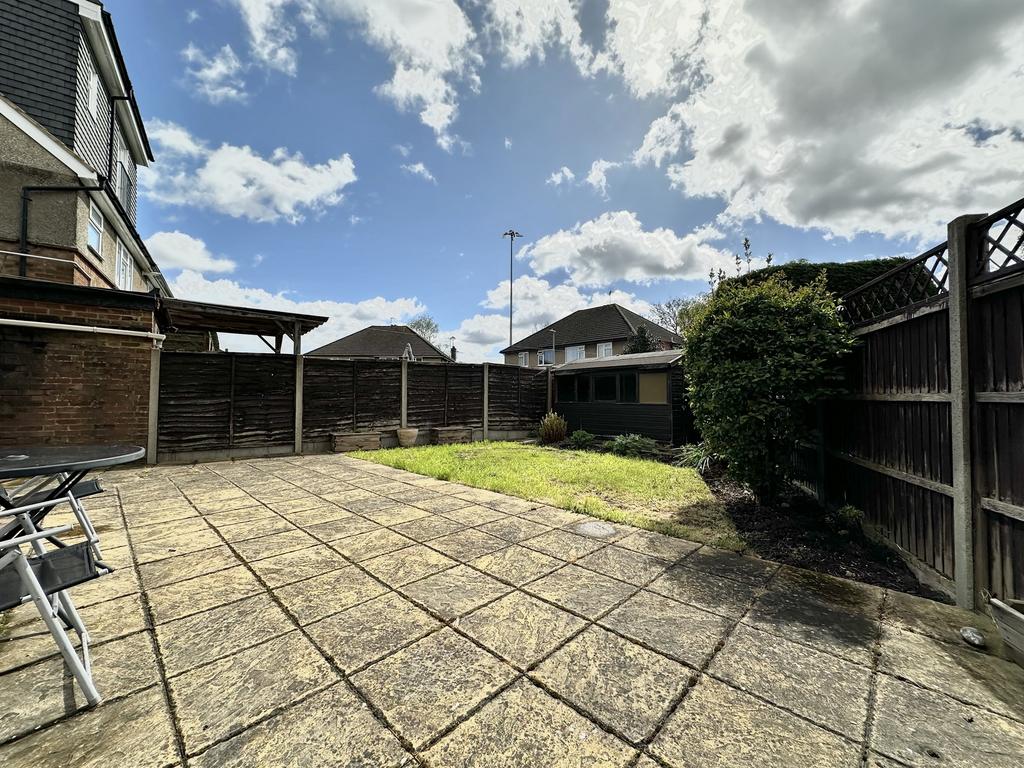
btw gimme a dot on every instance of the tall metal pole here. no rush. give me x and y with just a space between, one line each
511 235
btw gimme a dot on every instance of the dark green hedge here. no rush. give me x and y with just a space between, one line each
841 278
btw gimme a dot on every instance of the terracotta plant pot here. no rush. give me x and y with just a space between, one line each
407 436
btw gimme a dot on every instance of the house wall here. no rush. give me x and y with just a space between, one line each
591 351
92 132
67 388
39 43
58 221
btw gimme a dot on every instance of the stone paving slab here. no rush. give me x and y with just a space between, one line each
321 610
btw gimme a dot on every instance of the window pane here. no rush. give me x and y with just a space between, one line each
545 357
605 388
583 389
566 388
574 353
604 350
654 388
627 385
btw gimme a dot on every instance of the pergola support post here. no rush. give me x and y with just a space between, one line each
154 403
297 350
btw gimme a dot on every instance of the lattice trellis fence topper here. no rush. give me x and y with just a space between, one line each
1002 242
919 280
999 246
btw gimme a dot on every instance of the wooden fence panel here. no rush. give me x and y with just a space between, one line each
264 401
890 448
327 387
378 395
427 384
465 398
195 402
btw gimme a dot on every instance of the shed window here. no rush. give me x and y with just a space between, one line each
95 228
606 388
582 389
654 388
575 353
566 388
627 387
604 349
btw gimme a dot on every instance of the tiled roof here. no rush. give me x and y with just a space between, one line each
586 326
381 341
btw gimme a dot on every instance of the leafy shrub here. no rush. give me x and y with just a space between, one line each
697 456
581 440
847 520
552 428
757 358
633 445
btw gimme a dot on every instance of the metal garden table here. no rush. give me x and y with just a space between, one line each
53 475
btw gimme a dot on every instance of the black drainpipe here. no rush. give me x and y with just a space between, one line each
26 192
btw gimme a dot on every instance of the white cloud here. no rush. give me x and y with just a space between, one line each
851 117
217 78
192 16
343 317
537 303
597 176
240 182
562 176
177 250
663 141
271 32
508 143
615 246
419 169
430 43
403 149
649 42
524 29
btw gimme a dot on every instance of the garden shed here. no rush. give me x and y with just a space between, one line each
642 394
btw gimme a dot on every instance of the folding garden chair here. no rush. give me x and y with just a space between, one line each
44 576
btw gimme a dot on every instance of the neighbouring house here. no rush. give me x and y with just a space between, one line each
71 139
641 394
587 333
384 342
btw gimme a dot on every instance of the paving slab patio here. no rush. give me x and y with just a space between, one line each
324 611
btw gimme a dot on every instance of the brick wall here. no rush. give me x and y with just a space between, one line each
59 387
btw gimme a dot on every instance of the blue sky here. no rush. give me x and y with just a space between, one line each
361 159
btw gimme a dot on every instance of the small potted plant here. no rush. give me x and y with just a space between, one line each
407 436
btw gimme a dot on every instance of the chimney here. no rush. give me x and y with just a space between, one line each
453 352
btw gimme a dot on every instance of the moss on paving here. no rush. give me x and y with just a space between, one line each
639 492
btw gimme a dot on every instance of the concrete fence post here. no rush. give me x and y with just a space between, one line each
154 403
403 419
487 383
961 255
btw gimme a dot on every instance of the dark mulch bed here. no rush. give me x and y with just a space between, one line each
797 532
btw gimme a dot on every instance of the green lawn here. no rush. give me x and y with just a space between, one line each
647 494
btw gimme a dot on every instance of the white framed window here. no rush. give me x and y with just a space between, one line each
575 353
124 268
95 236
524 359
545 357
604 349
94 95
